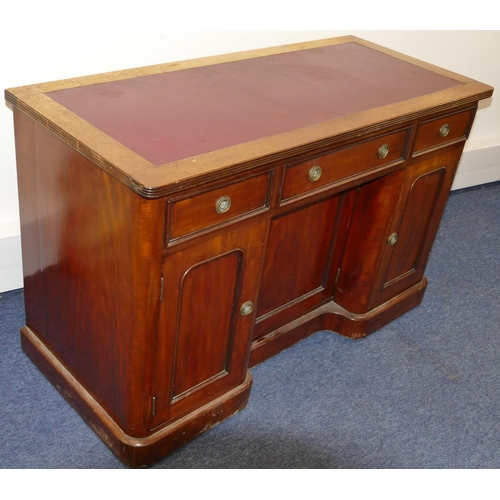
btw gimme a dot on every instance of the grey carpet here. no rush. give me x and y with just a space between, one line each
423 392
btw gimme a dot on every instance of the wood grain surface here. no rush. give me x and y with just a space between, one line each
146 302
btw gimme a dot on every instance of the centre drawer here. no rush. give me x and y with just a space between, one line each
194 212
320 171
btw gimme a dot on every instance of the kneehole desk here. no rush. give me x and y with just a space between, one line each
183 222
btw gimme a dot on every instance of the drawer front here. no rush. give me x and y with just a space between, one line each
195 213
441 131
321 171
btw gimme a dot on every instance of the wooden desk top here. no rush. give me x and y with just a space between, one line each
159 129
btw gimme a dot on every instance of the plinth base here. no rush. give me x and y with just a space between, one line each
135 452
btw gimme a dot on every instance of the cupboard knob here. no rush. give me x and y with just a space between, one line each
383 151
223 204
315 173
246 308
444 130
392 239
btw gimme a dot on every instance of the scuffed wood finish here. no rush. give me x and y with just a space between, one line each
135 452
135 283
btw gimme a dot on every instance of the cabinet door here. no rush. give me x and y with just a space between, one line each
300 262
409 238
393 226
371 217
206 321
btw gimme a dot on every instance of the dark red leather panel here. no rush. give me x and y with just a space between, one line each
180 114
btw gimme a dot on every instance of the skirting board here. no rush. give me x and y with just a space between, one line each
11 270
479 166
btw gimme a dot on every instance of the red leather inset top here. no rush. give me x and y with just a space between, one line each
180 114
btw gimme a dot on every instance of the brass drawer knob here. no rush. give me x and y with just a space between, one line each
444 130
246 308
223 204
383 151
392 239
315 173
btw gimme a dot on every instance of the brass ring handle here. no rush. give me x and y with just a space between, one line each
246 308
383 151
223 204
315 173
392 239
444 130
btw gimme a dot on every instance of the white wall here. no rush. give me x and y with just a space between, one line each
50 52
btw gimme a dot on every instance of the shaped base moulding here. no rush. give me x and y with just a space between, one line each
135 452
332 317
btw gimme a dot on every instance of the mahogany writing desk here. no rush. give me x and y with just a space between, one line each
183 222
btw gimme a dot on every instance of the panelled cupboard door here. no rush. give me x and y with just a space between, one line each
408 242
300 262
206 320
371 217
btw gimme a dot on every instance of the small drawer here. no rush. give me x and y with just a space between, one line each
441 131
321 171
196 212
